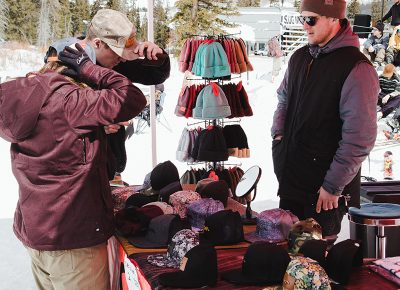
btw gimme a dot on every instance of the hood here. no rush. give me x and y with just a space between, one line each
20 104
344 38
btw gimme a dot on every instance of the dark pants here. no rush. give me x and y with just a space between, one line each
390 106
329 220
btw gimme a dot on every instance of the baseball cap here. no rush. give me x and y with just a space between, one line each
305 273
59 45
117 31
198 269
181 243
263 264
272 225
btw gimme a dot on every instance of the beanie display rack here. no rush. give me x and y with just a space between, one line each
211 56
216 100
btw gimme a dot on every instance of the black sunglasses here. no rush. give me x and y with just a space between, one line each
310 20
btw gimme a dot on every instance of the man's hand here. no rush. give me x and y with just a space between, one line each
75 59
113 128
371 49
326 201
148 49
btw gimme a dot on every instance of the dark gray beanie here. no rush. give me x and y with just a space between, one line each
328 8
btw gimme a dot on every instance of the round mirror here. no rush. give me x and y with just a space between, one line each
248 182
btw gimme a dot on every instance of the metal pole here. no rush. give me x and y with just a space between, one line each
153 119
381 243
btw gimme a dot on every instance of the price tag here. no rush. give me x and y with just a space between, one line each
131 274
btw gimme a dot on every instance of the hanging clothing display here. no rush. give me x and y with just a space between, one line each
204 57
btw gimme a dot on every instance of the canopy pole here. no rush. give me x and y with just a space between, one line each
153 119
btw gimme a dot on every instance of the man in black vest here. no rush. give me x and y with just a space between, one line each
325 122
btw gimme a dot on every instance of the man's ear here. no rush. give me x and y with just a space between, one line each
96 42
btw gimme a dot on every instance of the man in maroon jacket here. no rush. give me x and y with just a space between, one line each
64 214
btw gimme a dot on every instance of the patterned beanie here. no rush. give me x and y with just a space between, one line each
328 8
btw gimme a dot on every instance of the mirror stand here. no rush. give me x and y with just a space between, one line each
248 219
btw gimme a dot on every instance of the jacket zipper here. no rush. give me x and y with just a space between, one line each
84 149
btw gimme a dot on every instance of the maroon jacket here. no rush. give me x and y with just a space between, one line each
58 154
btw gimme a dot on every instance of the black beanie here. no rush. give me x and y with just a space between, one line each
328 8
163 174
212 145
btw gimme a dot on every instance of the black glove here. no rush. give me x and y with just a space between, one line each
74 59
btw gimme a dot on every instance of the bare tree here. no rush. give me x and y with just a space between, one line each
44 24
3 17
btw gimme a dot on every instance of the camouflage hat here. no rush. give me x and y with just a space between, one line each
180 244
302 231
305 273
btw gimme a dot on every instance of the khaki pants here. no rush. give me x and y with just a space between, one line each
77 269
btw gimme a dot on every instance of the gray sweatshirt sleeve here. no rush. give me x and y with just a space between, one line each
358 113
280 112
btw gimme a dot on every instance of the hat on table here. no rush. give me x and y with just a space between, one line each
263 264
160 231
165 207
223 228
198 269
305 273
199 210
301 231
272 225
180 200
217 190
181 243
163 174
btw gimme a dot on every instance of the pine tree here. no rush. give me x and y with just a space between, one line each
80 17
3 17
161 29
376 10
201 17
248 3
274 3
296 4
96 6
22 20
353 8
61 19
115 4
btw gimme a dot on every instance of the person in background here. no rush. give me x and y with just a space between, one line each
393 13
388 98
392 52
64 215
374 47
325 123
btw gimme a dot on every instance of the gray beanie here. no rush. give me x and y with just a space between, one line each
328 8
211 103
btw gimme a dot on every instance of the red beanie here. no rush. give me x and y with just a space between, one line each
328 8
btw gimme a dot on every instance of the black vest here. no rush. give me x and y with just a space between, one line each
313 127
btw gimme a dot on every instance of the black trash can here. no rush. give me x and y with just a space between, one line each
367 234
